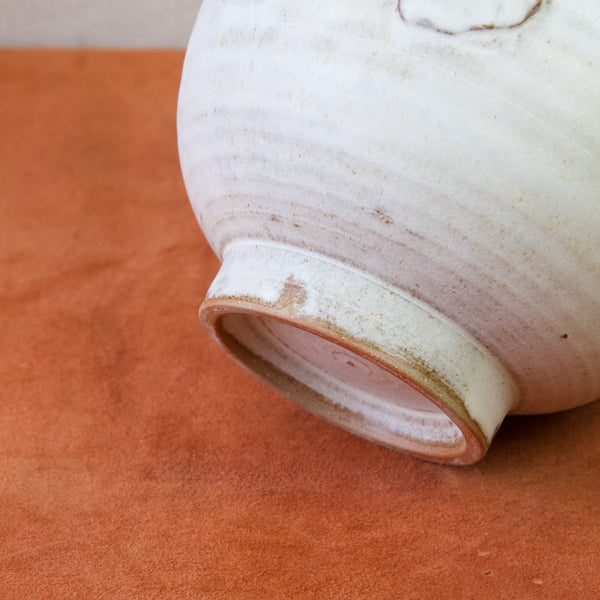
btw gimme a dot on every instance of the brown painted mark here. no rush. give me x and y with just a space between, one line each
292 294
483 27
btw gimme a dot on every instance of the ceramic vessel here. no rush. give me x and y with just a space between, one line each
405 200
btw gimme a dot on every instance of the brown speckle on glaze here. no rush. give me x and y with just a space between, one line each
383 216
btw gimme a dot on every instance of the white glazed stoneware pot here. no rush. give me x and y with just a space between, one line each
405 200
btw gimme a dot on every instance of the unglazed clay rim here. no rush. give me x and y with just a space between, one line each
470 449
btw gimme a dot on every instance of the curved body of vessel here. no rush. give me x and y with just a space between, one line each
406 204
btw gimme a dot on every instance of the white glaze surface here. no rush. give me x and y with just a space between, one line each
461 169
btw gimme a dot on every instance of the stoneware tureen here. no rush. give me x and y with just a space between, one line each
405 197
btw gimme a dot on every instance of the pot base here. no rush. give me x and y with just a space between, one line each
361 354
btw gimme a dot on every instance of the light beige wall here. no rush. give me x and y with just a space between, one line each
109 23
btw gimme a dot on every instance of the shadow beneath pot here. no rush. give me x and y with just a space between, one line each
534 442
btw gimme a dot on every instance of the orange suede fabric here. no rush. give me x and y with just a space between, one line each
137 461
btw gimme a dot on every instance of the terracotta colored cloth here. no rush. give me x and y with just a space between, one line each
136 461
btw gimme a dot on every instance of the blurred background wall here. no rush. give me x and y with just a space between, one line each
97 23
